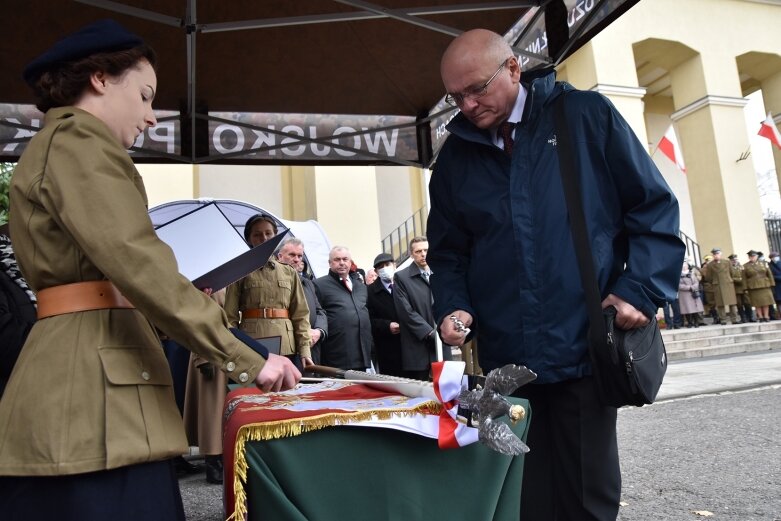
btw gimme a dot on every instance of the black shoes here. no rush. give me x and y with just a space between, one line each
214 469
184 467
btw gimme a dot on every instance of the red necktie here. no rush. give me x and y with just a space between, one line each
506 132
346 285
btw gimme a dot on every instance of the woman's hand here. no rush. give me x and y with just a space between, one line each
278 374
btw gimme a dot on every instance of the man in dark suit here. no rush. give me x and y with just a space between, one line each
343 296
412 298
291 252
384 319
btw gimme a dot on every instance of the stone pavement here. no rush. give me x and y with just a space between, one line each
718 374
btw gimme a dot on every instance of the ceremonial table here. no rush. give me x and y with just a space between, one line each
346 472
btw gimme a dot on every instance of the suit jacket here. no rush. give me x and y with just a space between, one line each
382 311
349 342
92 390
317 315
412 298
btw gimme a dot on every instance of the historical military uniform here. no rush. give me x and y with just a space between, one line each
92 389
717 272
272 302
759 281
741 292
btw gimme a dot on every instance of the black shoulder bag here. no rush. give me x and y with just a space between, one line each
628 366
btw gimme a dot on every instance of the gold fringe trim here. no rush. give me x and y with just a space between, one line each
294 427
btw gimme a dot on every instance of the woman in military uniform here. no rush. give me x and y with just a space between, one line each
741 292
708 296
88 421
759 280
270 301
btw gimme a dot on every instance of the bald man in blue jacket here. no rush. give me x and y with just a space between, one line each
497 197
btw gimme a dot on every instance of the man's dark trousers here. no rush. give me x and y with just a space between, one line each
572 471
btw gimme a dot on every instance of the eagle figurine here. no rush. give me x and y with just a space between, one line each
489 403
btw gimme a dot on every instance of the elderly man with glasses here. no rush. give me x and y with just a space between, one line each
496 193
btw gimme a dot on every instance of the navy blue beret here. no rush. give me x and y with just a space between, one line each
102 36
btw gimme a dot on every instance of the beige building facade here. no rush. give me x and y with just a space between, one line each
685 63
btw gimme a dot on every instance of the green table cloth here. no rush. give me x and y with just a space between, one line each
375 474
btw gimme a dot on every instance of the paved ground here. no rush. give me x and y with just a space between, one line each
710 445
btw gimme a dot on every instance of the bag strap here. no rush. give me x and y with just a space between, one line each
577 219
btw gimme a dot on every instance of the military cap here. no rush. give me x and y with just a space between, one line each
715 251
732 256
382 258
751 253
774 254
102 36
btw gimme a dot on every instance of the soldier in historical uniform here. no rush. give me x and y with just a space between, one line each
708 300
759 281
88 420
717 272
741 291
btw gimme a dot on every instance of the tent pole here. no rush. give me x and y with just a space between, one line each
191 31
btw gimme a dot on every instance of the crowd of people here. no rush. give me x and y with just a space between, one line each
344 320
719 288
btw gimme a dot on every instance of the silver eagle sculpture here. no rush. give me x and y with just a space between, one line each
489 403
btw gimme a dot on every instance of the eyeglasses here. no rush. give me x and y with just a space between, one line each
474 93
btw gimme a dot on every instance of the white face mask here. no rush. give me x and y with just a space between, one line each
386 273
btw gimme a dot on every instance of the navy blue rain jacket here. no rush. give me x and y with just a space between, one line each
500 245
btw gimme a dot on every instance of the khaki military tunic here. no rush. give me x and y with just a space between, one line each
759 280
717 273
92 390
276 286
739 282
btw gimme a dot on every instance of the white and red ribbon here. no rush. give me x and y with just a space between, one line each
449 380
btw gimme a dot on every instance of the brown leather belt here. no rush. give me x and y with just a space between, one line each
265 313
80 296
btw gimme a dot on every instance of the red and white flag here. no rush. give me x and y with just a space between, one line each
669 147
769 130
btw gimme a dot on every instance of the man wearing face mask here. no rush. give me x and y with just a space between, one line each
384 319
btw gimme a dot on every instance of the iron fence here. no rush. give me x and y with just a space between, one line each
397 242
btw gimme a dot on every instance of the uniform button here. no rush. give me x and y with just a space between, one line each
230 366
243 377
145 375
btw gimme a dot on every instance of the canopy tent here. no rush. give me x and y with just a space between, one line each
315 240
280 81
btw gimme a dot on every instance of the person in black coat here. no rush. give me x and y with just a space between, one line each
291 252
775 269
343 296
384 319
412 298
17 310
